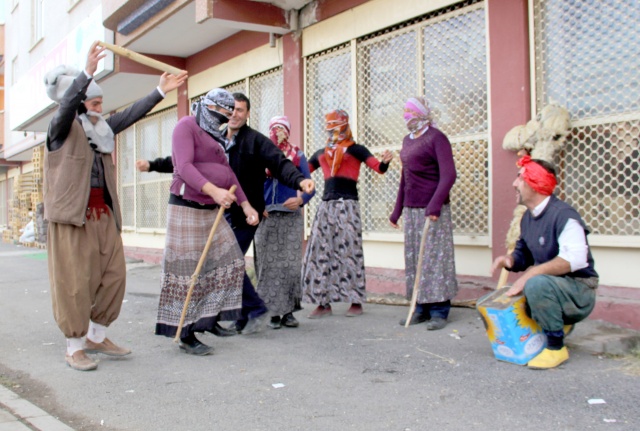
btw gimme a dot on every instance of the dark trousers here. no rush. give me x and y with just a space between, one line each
252 305
434 309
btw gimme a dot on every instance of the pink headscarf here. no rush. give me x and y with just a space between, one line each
417 114
290 151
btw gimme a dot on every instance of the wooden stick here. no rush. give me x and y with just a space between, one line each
416 283
142 59
203 257
504 274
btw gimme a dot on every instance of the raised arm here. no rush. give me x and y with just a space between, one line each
122 120
282 168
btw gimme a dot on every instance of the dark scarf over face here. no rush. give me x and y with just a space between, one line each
210 121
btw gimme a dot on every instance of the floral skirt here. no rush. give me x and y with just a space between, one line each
333 265
438 281
278 244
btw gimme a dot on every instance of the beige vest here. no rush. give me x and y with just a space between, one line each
67 180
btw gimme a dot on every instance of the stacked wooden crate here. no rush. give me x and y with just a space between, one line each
27 198
7 235
37 198
18 205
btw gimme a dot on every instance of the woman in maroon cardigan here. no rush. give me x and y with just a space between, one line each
428 173
199 190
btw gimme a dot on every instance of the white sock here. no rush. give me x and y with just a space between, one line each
73 345
97 333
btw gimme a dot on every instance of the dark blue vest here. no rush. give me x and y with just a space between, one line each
538 242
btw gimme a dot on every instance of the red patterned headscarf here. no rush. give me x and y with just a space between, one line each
538 178
340 138
290 151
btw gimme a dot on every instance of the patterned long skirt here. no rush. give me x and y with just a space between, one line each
333 265
438 281
278 243
217 293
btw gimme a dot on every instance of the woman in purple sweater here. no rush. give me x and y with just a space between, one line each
199 190
428 173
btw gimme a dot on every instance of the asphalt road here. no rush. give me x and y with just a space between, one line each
337 373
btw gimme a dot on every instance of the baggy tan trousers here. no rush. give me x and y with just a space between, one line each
87 273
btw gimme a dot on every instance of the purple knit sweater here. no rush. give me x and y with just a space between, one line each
428 173
198 158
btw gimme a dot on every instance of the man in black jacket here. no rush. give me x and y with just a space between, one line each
250 153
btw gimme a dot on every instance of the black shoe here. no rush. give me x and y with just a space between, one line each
275 323
193 346
239 325
436 323
415 319
221 331
289 321
254 325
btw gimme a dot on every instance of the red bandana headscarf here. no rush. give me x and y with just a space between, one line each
340 138
538 178
290 151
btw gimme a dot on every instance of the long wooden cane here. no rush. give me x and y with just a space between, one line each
198 268
504 274
416 283
139 58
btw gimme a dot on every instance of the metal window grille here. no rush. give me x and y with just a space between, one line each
418 57
267 99
328 87
236 87
144 195
266 95
587 59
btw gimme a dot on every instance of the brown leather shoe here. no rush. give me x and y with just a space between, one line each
80 361
107 347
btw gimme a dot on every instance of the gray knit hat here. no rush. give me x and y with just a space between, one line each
58 80
93 90
221 98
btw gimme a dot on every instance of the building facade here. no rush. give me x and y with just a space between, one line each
486 66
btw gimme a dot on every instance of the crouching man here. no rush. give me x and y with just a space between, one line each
559 279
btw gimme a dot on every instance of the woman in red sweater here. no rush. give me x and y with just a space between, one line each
428 173
333 266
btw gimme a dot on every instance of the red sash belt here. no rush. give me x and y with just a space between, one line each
97 206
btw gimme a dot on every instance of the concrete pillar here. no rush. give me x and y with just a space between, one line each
292 73
510 102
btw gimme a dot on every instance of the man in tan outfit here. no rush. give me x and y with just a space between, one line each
86 259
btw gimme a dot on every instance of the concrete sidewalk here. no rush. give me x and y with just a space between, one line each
17 414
